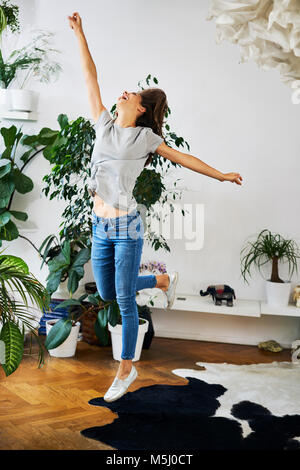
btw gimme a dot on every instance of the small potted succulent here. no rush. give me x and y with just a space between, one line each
271 248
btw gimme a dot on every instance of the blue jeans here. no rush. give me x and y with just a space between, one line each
117 244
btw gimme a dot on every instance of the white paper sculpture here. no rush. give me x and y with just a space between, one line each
267 31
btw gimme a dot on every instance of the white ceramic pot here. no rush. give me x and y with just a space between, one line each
278 293
4 99
116 340
23 100
68 347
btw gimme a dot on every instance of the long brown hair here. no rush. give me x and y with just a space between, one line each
156 104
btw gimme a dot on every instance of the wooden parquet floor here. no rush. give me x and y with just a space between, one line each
45 408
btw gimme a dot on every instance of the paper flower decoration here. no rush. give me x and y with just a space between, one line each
267 31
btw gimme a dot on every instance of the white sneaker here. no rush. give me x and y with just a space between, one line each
170 292
120 386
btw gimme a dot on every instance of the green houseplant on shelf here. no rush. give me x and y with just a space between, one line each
33 61
272 249
15 316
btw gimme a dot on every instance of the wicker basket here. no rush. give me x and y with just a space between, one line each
88 320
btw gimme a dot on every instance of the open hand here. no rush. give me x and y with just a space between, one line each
75 22
233 177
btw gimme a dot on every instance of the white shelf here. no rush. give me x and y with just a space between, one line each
195 303
289 311
19 115
241 307
247 308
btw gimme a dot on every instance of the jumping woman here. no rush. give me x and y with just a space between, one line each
123 147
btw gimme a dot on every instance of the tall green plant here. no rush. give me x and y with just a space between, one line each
269 248
15 278
12 178
70 158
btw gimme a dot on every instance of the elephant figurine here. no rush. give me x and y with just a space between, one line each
220 292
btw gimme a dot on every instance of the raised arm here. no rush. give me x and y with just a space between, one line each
195 164
88 67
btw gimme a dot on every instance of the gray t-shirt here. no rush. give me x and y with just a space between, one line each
118 158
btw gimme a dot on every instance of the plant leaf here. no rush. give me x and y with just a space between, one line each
4 218
6 189
22 182
4 169
15 261
67 303
113 313
9 231
58 333
9 135
101 326
19 215
14 346
53 281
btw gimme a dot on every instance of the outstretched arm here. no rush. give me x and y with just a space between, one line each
88 67
195 164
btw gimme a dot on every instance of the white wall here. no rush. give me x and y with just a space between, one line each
235 117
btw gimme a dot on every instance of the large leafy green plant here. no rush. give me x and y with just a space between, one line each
269 248
67 263
12 177
107 311
69 156
15 316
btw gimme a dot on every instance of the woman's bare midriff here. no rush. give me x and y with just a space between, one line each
105 210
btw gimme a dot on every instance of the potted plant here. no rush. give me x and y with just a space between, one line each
9 19
108 319
271 248
62 334
35 60
15 316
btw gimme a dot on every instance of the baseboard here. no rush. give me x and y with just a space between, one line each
161 333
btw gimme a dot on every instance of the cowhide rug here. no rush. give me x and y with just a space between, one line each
224 407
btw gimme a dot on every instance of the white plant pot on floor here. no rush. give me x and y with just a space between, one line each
278 293
68 347
23 100
116 339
